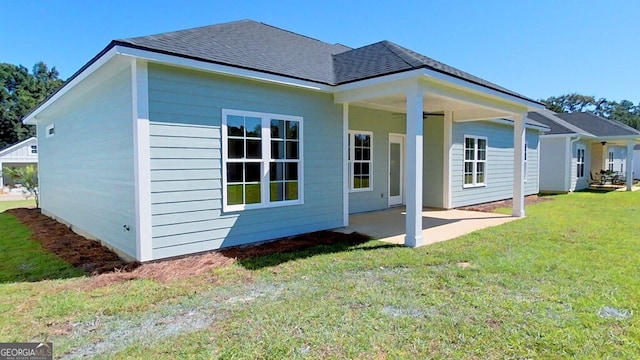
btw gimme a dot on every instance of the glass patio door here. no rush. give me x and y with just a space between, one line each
396 169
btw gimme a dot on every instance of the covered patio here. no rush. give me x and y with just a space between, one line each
437 225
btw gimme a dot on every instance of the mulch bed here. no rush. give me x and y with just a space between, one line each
107 268
492 206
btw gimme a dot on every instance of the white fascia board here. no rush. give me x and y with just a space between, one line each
381 80
554 136
441 77
15 146
220 69
619 137
511 122
31 119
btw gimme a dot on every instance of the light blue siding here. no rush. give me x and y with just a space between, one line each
381 123
499 178
86 168
433 163
186 178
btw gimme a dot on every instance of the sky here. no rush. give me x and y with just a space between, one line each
537 48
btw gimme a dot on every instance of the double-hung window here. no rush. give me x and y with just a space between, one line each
262 160
360 164
580 161
475 161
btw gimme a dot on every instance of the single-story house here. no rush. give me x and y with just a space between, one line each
581 145
18 155
234 133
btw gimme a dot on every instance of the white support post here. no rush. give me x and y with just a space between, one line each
141 159
345 164
629 165
414 156
446 171
518 165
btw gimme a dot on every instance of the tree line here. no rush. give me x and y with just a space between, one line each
21 91
624 111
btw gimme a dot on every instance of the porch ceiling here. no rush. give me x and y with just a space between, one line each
433 103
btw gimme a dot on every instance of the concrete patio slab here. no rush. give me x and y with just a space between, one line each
437 225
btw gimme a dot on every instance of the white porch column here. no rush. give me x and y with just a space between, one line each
446 174
414 155
345 164
629 166
518 165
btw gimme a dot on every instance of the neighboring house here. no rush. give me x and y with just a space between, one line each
579 146
16 156
636 162
235 133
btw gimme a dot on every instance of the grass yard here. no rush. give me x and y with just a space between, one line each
561 283
22 259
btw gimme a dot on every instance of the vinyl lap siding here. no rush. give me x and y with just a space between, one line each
499 177
86 168
186 178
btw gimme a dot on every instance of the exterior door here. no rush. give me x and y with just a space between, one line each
396 169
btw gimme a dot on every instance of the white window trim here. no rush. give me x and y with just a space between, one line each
525 164
611 159
266 159
47 130
352 152
475 161
584 160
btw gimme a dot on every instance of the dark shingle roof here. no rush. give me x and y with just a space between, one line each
555 124
385 58
248 44
598 126
253 45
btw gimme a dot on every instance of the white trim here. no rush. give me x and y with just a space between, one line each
525 154
32 117
142 159
629 165
475 160
221 69
351 160
345 164
415 156
32 148
265 160
519 136
582 147
446 173
402 165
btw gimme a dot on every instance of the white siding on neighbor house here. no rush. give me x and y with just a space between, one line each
576 183
636 164
20 154
186 179
86 168
553 164
499 166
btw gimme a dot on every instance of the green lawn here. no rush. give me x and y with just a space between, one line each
22 259
561 283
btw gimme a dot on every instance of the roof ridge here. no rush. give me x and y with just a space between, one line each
185 30
403 53
612 122
297 34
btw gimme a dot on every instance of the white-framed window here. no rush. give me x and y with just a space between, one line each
610 160
475 161
525 173
50 130
262 160
360 160
580 150
33 149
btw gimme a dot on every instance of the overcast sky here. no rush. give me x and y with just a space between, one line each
537 48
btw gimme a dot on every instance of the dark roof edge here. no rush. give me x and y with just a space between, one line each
139 47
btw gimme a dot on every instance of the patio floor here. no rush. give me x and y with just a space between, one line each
437 225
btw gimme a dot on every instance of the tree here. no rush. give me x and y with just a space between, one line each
21 91
625 111
28 177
